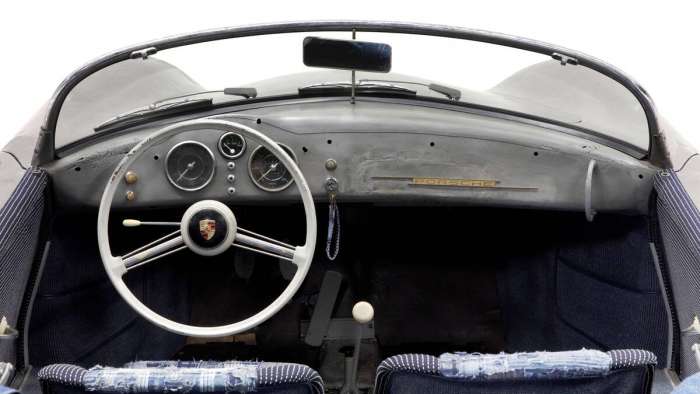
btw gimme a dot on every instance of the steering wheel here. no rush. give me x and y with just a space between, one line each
208 228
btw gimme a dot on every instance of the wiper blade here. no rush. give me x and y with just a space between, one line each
243 92
450 93
331 88
155 111
173 105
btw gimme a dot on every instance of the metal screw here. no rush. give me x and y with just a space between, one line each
130 195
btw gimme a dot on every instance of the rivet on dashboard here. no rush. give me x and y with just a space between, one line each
231 165
130 195
231 190
331 164
130 177
230 178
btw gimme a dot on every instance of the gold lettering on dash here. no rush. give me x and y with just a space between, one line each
452 182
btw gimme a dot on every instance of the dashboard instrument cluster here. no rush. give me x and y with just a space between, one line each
191 165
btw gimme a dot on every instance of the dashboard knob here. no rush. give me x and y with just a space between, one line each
331 164
130 177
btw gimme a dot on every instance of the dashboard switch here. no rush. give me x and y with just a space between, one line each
130 177
231 165
331 164
230 178
231 190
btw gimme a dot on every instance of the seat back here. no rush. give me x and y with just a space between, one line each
182 377
630 372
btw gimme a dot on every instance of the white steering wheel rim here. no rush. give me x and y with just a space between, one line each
116 269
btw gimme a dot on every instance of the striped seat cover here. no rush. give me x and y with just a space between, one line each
428 365
189 376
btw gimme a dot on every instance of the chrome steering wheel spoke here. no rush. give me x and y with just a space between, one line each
254 242
155 250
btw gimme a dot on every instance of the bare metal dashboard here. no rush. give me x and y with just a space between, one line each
386 153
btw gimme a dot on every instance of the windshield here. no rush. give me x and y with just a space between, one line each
436 68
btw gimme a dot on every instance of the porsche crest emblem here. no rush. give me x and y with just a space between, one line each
207 228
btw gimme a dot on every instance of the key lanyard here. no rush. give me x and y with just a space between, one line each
333 220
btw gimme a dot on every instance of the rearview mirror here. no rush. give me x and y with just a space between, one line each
347 54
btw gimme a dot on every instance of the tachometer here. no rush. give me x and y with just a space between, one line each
267 171
231 145
189 165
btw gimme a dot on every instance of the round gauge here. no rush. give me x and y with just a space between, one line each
231 145
267 171
189 165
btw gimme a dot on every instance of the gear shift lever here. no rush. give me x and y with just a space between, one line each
363 313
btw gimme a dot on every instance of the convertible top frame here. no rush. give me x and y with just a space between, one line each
45 151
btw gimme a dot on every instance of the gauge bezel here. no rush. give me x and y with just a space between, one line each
213 166
250 171
229 156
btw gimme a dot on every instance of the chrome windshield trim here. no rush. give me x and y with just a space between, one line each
45 150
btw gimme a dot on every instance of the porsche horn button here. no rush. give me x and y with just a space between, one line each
207 228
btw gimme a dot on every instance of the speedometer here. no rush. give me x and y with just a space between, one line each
267 171
189 165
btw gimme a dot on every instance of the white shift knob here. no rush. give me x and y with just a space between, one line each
363 312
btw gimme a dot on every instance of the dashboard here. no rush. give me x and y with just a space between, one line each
379 153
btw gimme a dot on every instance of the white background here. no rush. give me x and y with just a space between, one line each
655 42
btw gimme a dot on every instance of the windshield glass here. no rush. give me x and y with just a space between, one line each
448 69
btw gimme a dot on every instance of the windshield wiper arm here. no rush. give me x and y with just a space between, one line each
331 88
173 105
243 92
450 93
153 111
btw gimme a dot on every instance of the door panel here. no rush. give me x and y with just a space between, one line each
679 221
20 222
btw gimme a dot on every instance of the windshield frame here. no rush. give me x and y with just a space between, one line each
656 153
